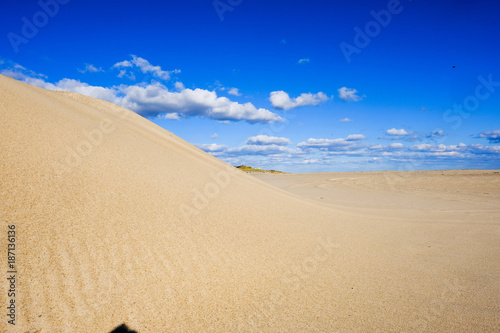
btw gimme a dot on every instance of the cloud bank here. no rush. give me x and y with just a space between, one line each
154 99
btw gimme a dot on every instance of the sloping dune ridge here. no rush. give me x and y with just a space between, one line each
118 221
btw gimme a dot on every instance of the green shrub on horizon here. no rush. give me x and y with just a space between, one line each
247 168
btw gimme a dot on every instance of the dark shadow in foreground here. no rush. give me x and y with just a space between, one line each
122 329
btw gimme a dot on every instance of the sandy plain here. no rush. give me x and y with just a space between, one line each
119 221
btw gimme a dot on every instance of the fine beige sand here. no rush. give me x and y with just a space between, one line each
119 221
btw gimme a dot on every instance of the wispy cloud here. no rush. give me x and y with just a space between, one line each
144 66
231 91
345 120
386 148
124 73
223 151
212 147
491 136
268 140
411 136
89 68
349 95
258 150
355 137
435 134
234 92
304 61
281 100
340 144
124 63
15 69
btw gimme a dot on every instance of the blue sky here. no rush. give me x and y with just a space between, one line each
298 86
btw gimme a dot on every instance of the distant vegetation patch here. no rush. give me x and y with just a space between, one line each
250 169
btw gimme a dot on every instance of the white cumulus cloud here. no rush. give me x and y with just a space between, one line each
154 99
349 95
281 99
401 131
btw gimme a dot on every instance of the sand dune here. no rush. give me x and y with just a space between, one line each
119 221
